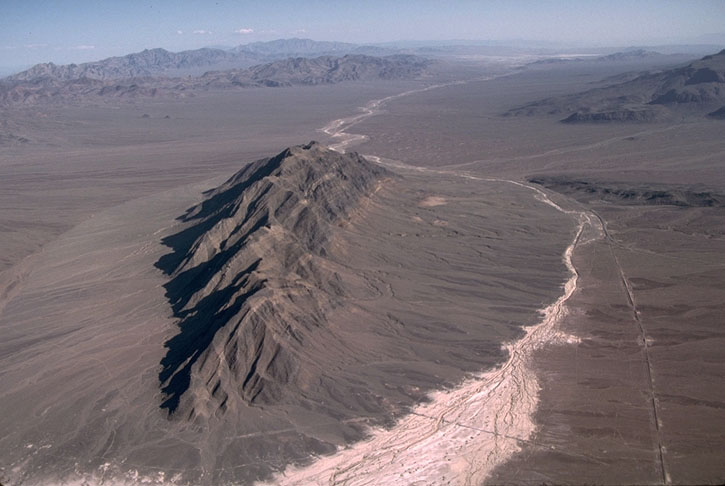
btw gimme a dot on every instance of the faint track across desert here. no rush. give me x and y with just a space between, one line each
644 345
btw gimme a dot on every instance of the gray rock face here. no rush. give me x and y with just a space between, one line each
246 279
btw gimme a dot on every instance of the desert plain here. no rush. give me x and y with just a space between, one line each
479 297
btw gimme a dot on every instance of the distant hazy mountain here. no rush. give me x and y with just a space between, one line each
160 62
636 54
57 84
150 62
699 85
644 57
322 70
284 48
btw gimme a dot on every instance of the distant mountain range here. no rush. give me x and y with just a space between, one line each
284 48
628 56
698 86
320 70
160 62
150 62
68 83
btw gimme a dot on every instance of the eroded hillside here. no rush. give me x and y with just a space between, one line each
249 276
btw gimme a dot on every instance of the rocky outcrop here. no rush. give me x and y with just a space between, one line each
249 280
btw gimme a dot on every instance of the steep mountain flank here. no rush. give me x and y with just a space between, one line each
249 281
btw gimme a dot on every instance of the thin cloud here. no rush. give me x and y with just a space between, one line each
83 47
35 46
180 32
201 32
244 31
299 31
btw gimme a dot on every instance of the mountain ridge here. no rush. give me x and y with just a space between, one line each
299 47
653 96
149 62
248 279
288 72
162 62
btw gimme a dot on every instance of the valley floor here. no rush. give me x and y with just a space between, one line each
620 382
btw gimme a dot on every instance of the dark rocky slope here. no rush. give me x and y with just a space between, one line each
249 282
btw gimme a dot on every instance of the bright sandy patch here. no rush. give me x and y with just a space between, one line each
431 201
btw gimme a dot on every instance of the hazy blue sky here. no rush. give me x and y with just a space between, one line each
34 31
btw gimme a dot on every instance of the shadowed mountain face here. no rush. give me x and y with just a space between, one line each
246 280
63 84
698 87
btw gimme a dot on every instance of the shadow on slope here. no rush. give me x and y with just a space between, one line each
245 264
